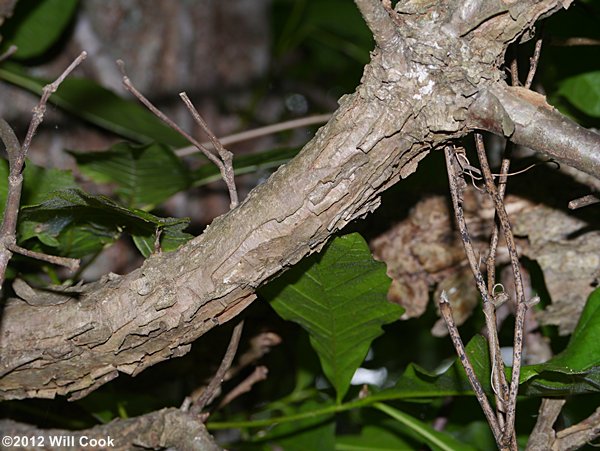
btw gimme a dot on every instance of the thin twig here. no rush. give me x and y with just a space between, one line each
584 201
224 165
533 62
259 132
543 435
514 69
225 155
131 88
9 51
259 374
522 305
70 263
210 391
579 434
446 312
456 191
17 154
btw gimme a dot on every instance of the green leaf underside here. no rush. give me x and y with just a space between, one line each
36 25
86 99
77 223
145 175
583 91
340 298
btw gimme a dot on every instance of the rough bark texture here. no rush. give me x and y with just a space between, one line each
163 429
432 62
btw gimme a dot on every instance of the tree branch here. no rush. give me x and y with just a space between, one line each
525 118
163 429
404 107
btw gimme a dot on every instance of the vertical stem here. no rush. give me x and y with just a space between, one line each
446 312
521 309
456 188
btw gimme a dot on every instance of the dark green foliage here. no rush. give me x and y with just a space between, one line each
340 298
36 25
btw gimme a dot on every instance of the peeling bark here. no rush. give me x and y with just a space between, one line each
415 96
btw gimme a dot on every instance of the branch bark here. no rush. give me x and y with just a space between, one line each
413 97
163 429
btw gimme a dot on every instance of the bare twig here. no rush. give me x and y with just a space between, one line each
17 154
71 263
9 51
225 167
489 310
533 62
259 374
210 391
225 155
259 345
258 132
576 436
574 42
522 305
584 201
543 435
446 312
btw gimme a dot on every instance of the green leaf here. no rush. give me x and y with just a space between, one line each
309 433
78 224
145 175
36 25
372 438
583 91
436 440
577 368
340 298
417 383
38 183
88 100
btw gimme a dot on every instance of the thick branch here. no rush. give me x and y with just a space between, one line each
525 118
409 101
163 429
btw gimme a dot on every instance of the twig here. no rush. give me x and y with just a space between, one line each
584 201
9 51
259 345
576 436
259 374
522 305
446 312
224 168
16 160
210 391
574 42
456 188
533 62
258 132
71 263
225 155
542 436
